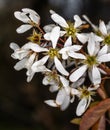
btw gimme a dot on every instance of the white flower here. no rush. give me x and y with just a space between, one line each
53 52
27 55
85 96
70 29
63 95
103 31
69 49
29 17
91 61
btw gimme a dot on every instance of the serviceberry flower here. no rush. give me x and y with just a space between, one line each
63 98
70 29
26 55
91 61
85 95
29 17
53 53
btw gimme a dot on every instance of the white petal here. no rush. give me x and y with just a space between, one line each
103 28
20 54
55 35
65 103
30 61
21 16
39 66
96 76
104 58
78 73
68 42
30 75
45 80
91 44
48 28
52 11
82 37
60 96
34 18
20 65
47 35
76 55
103 50
53 88
14 46
78 82
93 26
75 91
23 28
62 33
34 47
64 81
29 11
59 20
78 21
51 103
60 67
81 107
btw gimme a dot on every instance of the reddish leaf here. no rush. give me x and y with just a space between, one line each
100 125
94 114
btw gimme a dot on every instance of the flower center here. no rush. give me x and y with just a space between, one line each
91 60
107 40
53 52
71 31
85 92
35 37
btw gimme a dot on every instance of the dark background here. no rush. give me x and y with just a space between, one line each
22 104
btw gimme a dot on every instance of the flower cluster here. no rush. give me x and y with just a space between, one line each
71 58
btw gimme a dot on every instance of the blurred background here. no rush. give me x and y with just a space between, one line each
22 104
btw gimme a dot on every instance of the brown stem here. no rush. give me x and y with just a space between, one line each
105 68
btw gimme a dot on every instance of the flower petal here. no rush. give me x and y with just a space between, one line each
34 18
29 11
68 42
59 20
102 28
55 35
78 21
78 73
76 55
104 58
30 61
34 47
48 28
81 107
20 65
82 37
54 88
14 46
60 96
91 44
21 16
65 103
23 28
51 103
60 67
39 66
96 76
103 50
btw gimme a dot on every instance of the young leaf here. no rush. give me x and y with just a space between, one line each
94 114
76 121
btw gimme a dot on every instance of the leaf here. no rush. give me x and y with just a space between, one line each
100 124
76 121
94 114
